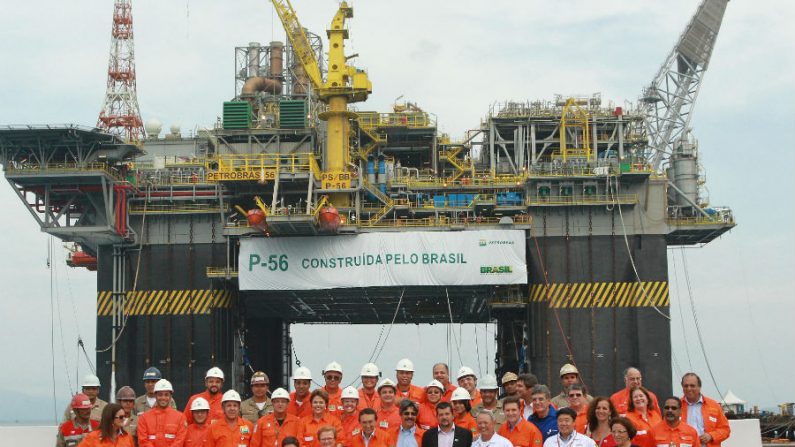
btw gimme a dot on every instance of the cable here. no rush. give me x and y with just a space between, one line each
452 330
681 314
554 310
698 326
372 353
52 331
477 351
753 328
629 252
85 353
54 286
135 278
389 331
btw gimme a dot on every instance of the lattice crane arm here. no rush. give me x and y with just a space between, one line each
669 100
299 41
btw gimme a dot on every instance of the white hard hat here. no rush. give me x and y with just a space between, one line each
214 372
302 373
488 382
231 396
199 404
460 394
386 382
370 370
163 385
465 371
280 393
90 380
568 368
333 366
404 365
349 393
435 383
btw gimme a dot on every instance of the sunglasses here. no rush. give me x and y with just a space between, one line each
668 407
335 378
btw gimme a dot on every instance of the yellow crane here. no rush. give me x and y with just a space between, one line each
343 84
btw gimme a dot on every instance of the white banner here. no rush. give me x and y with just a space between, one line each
422 258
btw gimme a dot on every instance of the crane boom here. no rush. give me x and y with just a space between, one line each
297 36
669 100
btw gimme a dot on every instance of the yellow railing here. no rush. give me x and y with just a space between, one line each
62 167
221 272
371 120
314 168
621 199
185 208
291 163
725 218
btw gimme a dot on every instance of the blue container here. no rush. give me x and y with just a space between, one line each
371 166
438 201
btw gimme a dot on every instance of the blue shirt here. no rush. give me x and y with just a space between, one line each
548 426
694 417
406 437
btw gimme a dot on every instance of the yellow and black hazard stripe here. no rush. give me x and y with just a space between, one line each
601 294
166 302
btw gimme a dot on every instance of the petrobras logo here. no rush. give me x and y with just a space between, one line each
486 243
495 269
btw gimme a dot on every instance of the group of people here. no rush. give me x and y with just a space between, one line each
396 413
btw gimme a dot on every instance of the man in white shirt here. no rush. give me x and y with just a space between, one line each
566 436
488 438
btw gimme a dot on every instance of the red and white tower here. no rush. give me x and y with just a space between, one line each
120 113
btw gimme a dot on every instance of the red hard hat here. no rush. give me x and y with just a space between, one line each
81 401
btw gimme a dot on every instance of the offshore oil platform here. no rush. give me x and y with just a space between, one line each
552 219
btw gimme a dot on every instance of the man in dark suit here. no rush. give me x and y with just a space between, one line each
446 434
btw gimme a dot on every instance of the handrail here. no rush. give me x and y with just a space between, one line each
34 169
602 199
371 120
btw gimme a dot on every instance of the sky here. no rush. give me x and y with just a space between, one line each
454 59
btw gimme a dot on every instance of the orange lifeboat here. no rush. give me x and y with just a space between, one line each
256 219
82 259
329 218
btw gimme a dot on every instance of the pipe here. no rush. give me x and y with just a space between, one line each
253 59
271 84
687 199
261 84
277 62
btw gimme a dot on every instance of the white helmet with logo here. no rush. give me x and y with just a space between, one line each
465 371
404 365
302 373
370 370
333 366
199 404
280 393
231 396
214 372
350 393
488 382
91 380
163 385
435 384
386 382
460 394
